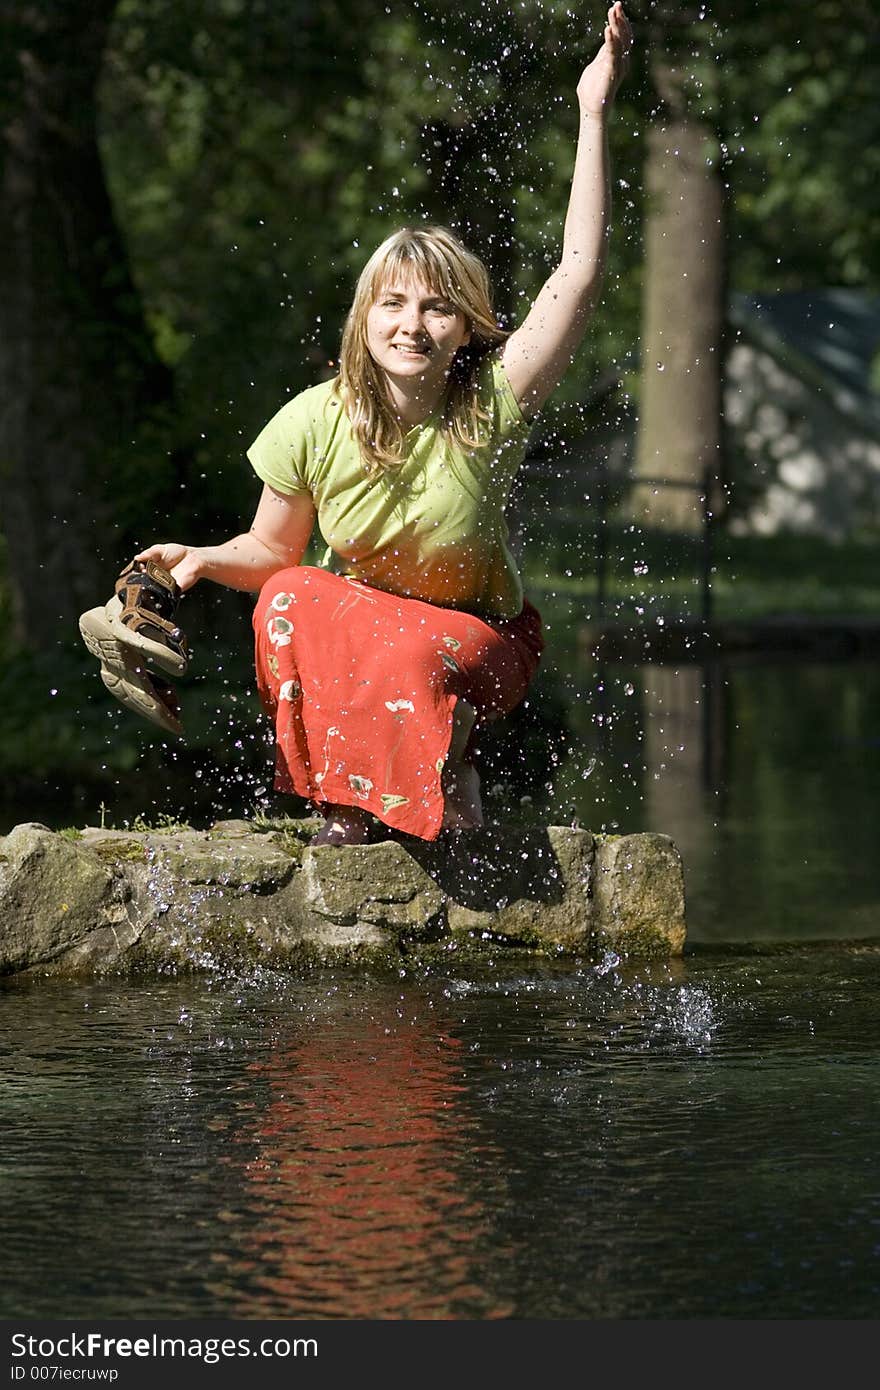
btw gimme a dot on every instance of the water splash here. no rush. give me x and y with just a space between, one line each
691 1015
609 962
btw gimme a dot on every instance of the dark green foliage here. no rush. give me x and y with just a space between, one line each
256 151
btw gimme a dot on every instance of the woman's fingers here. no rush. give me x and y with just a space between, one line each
601 78
614 47
618 35
181 560
168 554
621 29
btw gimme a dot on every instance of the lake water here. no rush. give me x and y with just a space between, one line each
765 772
693 1141
689 1140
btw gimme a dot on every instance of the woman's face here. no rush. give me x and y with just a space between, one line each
413 333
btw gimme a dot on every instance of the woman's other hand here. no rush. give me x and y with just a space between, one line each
600 80
179 559
277 539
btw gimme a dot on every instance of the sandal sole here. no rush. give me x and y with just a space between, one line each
157 652
124 676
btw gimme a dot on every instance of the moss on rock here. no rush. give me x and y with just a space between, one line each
235 897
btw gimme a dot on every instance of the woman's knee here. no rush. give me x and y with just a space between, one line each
284 589
289 582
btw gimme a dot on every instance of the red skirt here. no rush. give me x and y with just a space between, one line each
362 686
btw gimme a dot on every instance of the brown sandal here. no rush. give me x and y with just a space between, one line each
124 673
143 615
138 626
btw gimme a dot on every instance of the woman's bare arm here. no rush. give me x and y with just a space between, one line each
538 353
277 539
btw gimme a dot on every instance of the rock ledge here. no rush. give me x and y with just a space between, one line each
107 901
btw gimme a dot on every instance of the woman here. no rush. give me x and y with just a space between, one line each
378 667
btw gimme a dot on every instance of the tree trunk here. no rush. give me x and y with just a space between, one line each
680 427
78 376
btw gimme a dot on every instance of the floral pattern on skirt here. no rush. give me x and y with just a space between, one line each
362 686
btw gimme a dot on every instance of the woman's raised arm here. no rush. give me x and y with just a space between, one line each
538 353
278 537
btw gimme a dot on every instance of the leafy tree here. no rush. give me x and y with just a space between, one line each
254 176
79 378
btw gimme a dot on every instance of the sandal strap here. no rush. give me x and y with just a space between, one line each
149 596
158 629
145 584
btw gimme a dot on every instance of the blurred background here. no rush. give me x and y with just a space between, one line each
188 193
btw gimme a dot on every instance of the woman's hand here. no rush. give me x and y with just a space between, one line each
600 81
539 353
277 539
179 559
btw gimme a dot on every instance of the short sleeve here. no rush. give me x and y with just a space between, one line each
281 451
497 395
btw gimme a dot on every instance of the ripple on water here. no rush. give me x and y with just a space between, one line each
697 1138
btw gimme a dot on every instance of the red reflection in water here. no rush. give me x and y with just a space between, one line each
364 1188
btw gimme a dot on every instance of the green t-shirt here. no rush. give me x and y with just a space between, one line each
432 528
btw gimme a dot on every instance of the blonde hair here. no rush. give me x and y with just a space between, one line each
436 257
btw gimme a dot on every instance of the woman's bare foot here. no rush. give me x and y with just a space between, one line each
343 825
462 808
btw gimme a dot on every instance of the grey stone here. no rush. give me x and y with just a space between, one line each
236 865
379 892
58 901
529 886
638 895
162 901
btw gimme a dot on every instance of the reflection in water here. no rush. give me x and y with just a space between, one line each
362 1194
699 1140
767 776
677 769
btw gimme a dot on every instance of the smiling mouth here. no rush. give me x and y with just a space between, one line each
410 351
